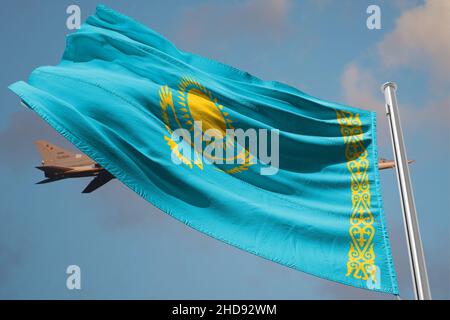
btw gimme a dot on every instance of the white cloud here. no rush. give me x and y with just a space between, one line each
421 39
362 91
421 34
359 86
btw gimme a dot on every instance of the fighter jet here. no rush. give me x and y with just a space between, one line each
59 164
388 164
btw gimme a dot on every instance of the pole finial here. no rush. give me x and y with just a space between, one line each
391 84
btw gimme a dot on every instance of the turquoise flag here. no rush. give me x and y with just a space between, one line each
306 194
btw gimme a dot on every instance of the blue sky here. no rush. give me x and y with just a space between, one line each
128 249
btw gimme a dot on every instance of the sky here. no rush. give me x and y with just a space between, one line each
128 249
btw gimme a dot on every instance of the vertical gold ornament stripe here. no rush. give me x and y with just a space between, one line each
361 256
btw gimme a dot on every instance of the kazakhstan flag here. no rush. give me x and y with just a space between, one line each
127 97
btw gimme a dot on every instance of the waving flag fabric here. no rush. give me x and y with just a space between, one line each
121 92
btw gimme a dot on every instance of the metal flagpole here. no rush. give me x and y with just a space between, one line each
416 255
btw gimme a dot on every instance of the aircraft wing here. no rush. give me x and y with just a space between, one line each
53 169
388 164
48 180
98 181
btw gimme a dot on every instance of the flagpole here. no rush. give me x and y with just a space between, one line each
416 254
